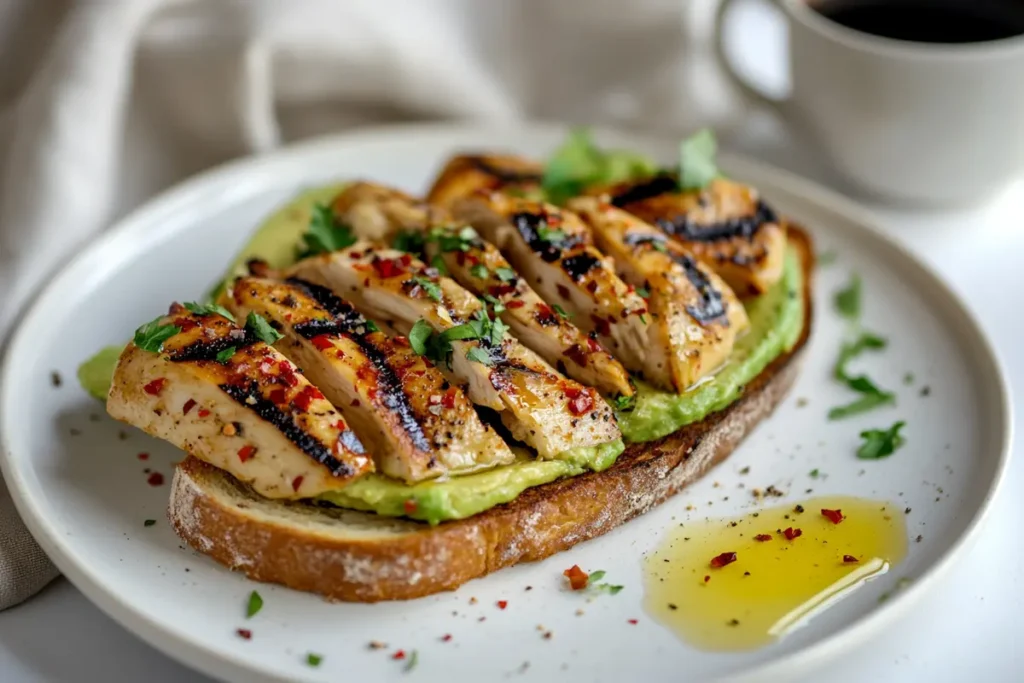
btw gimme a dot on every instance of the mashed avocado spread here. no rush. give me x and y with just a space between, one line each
776 322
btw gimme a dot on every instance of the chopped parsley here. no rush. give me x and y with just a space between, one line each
494 302
561 311
448 239
579 163
371 326
419 335
432 289
209 309
479 355
259 326
506 274
881 443
624 403
151 336
437 347
814 474
224 356
697 165
414 659
438 262
643 292
850 350
409 241
848 299
325 234
314 660
596 576
479 270
254 606
868 401
550 235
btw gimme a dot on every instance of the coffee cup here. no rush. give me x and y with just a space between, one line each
907 111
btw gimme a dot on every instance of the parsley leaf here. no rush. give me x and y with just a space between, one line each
419 335
495 303
463 331
480 355
862 405
608 588
432 289
579 163
371 326
643 292
224 356
850 350
410 241
450 240
697 165
506 274
314 659
880 443
151 336
479 270
848 299
209 309
254 606
549 235
261 328
438 262
325 234
414 659
624 403
597 576
561 311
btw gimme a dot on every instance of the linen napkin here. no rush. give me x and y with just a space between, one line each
103 102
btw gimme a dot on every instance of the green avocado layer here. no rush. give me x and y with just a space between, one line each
776 322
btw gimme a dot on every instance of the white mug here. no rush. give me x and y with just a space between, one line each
916 123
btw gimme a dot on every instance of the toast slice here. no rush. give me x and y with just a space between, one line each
362 557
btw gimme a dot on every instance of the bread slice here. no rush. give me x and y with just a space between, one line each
362 557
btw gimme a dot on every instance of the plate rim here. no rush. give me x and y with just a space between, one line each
214 662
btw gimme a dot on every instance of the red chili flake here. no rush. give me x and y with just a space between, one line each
355 255
286 373
279 396
834 516
321 342
296 483
155 387
706 578
593 344
460 258
410 506
244 633
577 577
203 412
563 291
498 291
592 286
502 604
189 405
576 354
340 426
155 479
401 341
355 403
763 537
246 452
720 561
581 403
850 558
405 260
400 654
306 397
446 637
449 398
387 267
514 303
143 456
632 621
790 533
601 325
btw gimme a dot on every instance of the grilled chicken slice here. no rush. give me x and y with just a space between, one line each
695 316
480 267
553 250
218 392
725 225
467 174
545 410
378 212
415 424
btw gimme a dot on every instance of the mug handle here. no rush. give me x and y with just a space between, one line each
752 92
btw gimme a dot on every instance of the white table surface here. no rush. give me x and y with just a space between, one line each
967 630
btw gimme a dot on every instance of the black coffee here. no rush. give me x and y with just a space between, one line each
928 21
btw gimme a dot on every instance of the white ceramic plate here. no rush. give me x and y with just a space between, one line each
83 492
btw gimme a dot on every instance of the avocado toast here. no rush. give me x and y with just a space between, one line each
568 461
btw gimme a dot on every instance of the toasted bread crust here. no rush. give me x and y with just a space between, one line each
421 560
